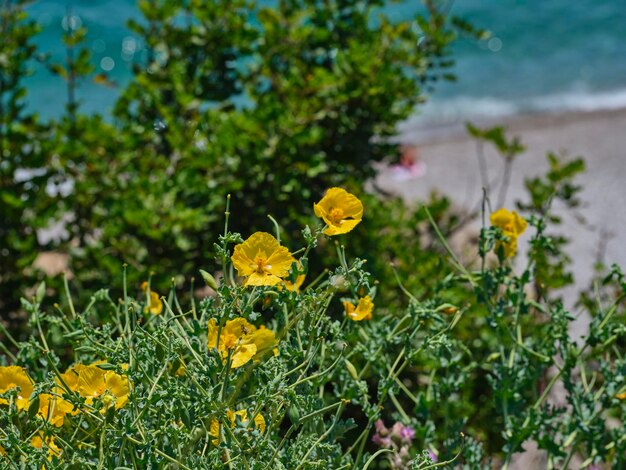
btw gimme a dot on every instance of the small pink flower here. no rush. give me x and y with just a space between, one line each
380 427
381 441
407 434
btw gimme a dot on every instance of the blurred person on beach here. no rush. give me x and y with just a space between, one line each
410 166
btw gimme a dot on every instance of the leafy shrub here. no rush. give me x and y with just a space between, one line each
314 376
22 148
235 99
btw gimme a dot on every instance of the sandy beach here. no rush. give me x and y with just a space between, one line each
595 228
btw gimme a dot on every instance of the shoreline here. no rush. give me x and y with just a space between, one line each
425 134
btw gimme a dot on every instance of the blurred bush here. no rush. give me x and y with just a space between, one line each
25 159
267 103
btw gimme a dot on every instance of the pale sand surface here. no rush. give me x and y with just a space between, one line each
599 137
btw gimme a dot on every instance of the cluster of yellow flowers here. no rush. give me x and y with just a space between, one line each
262 261
512 226
88 381
214 428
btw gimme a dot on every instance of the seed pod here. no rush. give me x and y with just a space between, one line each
41 291
351 369
209 279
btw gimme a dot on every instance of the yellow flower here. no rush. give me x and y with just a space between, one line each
13 377
155 305
340 210
262 260
214 428
244 340
53 409
37 442
621 396
92 382
363 311
295 287
512 226
180 370
69 378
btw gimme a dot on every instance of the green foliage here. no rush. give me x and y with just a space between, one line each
333 383
25 171
274 105
233 98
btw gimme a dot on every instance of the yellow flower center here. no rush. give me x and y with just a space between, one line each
336 215
108 400
260 265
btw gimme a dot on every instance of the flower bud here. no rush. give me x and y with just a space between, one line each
351 369
209 279
338 282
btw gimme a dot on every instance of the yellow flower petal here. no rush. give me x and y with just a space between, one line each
256 279
340 210
212 334
263 339
118 386
259 421
239 327
345 227
92 382
14 377
54 409
37 442
508 221
242 338
280 262
262 260
242 355
299 280
512 226
69 378
214 431
363 311
155 304
232 416
519 223
295 287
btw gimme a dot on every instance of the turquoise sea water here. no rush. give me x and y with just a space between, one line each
543 55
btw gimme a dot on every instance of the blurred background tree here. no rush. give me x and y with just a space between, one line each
272 104
25 160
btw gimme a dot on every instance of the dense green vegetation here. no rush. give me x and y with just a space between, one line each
273 106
